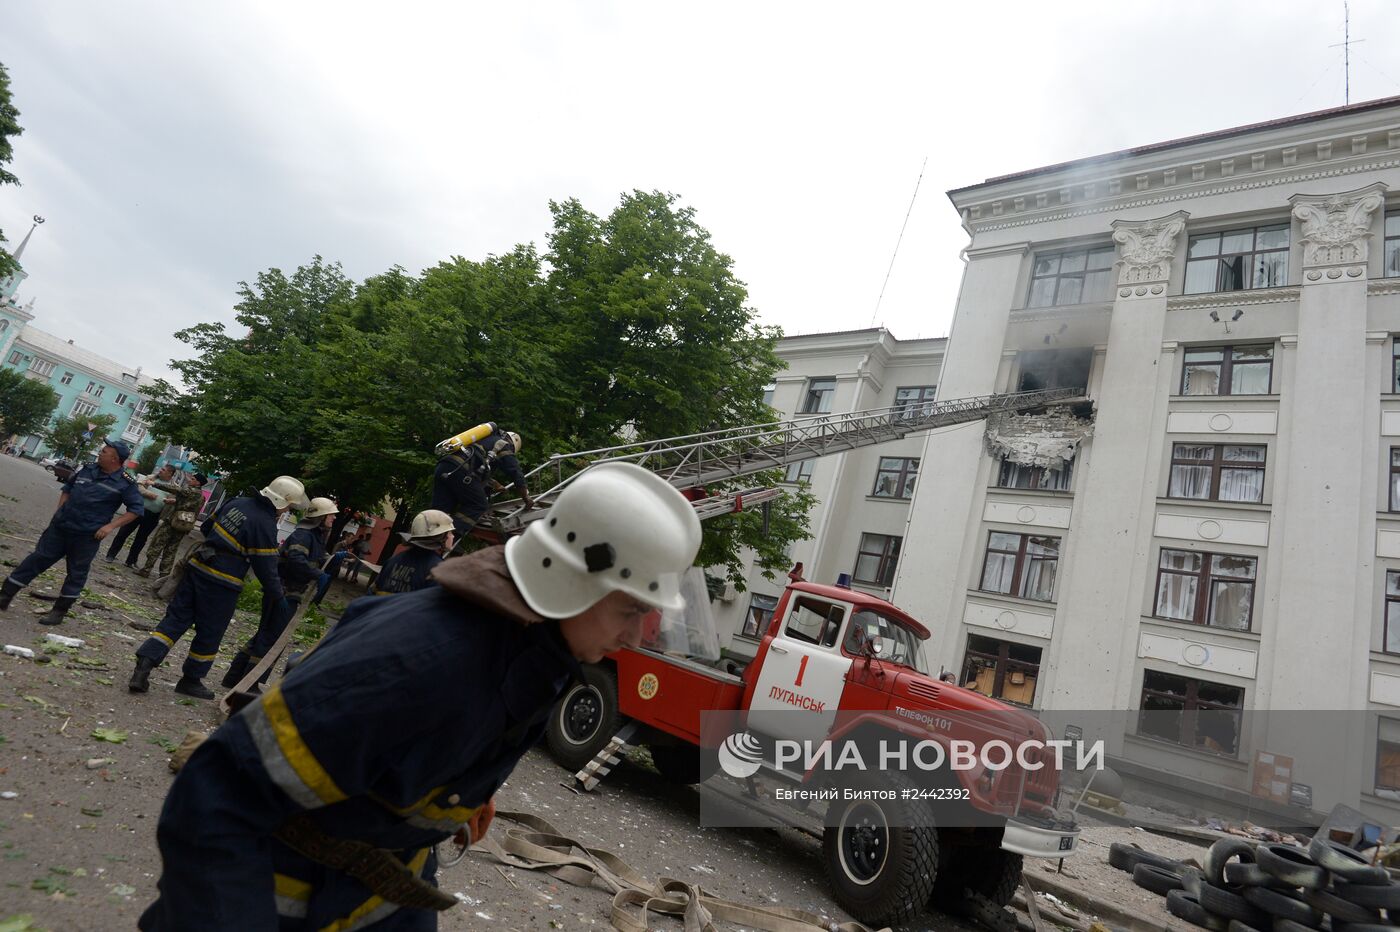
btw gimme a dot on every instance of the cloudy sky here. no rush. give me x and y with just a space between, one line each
177 149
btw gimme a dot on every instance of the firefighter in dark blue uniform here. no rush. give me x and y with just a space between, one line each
463 479
243 533
428 538
299 561
397 730
84 517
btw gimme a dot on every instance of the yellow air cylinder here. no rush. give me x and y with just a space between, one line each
466 438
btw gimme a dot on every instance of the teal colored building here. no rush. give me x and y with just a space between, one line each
86 382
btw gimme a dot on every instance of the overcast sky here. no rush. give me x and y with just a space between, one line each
177 149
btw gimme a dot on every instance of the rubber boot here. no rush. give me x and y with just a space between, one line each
54 616
140 677
189 686
7 594
236 669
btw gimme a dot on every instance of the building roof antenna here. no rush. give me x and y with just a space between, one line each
876 314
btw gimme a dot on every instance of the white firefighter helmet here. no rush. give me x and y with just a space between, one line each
320 507
514 439
429 524
285 492
616 528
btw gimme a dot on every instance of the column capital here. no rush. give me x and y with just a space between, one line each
1336 231
1146 253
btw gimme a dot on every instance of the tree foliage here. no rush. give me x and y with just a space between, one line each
630 325
24 403
65 435
9 128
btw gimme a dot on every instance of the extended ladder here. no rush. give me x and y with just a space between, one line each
694 461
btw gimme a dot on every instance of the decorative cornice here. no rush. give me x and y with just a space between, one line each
1147 250
1234 298
1337 227
1067 312
1180 193
1008 249
1377 336
1378 286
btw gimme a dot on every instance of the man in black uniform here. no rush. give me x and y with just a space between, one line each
298 565
243 533
317 805
84 517
429 537
460 481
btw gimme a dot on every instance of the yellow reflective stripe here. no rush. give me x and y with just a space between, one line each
373 591
303 762
161 637
362 914
229 537
290 887
261 551
213 572
411 807
194 656
454 814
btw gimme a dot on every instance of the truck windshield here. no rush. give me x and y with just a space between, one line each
897 644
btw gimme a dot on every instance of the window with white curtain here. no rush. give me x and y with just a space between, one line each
1023 565
1212 589
1217 472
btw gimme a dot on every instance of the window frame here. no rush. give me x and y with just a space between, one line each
1393 503
1217 465
1249 268
1003 664
67 379
1227 369
16 357
757 617
41 366
1381 745
902 475
804 469
74 412
120 399
887 561
1191 703
1018 574
1390 244
1059 276
1037 475
1204 606
1388 600
827 396
909 408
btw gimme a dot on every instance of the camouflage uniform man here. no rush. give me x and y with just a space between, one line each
176 521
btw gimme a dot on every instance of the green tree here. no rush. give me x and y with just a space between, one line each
9 128
65 436
146 460
24 403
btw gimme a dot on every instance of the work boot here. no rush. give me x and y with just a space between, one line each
7 594
54 616
192 686
236 669
144 572
140 677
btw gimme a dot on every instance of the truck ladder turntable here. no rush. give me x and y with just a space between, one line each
694 461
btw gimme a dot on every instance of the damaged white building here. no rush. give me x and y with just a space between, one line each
1223 533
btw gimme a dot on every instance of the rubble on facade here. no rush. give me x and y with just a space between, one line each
1047 440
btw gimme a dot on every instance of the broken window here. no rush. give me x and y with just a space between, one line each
815 622
761 608
1079 276
1012 475
1214 589
1217 472
895 477
1392 244
877 559
1196 713
1023 565
1228 370
800 471
768 391
913 401
1001 669
1388 758
1395 478
820 394
1237 260
1391 635
1054 368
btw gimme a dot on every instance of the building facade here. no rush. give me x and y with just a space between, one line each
1224 537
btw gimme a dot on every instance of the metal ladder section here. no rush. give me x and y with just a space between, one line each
694 461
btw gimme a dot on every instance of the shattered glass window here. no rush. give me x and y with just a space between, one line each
1016 476
895 477
1392 244
1080 276
1022 565
1206 589
1221 472
1194 713
1228 370
1237 260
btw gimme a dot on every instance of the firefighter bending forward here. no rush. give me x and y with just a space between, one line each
464 478
317 806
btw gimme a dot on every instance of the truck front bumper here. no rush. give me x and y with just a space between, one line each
1041 838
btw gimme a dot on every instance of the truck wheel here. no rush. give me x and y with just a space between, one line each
881 855
992 872
684 764
585 719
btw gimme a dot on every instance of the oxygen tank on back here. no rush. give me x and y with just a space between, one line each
466 438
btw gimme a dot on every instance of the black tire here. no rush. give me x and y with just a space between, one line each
1126 857
1339 909
1288 925
584 720
1292 866
1360 927
881 855
1159 881
1369 896
1237 926
1347 863
1229 905
1240 874
1282 906
991 872
1220 854
683 764
1184 905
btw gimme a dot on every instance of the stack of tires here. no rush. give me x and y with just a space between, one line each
1243 888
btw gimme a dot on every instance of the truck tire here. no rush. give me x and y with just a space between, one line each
881 855
992 872
585 718
683 764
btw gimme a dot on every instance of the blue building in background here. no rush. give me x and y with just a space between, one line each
86 382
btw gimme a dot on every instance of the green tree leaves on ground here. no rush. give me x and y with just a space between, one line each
24 403
65 435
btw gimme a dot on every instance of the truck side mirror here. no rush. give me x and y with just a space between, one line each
876 647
